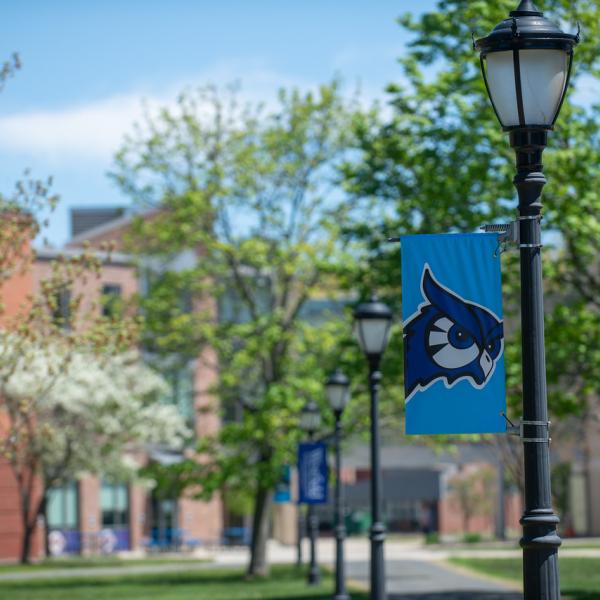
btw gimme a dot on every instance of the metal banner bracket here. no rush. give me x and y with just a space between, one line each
542 437
508 233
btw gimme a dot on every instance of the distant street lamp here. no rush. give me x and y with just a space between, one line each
372 322
337 388
526 62
310 421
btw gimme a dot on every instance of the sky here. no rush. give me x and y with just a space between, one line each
87 67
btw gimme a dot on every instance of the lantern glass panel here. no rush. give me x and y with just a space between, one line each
372 335
337 396
500 76
543 80
310 420
543 76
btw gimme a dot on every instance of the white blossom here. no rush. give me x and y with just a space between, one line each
89 409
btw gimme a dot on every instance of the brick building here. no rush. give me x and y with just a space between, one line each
91 515
419 492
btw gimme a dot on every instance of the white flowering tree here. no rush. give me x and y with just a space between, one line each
74 398
69 411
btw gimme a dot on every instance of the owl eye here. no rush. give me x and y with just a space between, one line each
493 347
450 345
459 337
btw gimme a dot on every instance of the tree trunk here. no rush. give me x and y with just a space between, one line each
466 520
29 517
26 544
258 566
44 513
25 520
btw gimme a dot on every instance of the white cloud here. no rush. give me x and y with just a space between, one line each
89 131
94 131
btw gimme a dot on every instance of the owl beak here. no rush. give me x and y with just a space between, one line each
486 363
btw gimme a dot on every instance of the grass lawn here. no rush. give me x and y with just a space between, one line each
579 577
95 561
285 583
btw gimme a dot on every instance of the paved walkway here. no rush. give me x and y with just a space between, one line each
420 580
414 571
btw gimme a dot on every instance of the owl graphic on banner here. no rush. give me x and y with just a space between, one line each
453 334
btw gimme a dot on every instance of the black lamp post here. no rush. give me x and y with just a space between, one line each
310 421
526 62
299 537
372 321
338 393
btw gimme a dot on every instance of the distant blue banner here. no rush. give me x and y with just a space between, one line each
312 473
453 334
283 492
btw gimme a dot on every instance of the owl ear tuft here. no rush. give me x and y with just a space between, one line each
435 293
447 302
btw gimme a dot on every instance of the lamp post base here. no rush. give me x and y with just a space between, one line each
340 582
314 576
377 562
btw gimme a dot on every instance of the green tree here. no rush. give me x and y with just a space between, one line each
248 192
440 163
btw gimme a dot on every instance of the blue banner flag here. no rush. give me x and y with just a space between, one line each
283 492
453 334
312 473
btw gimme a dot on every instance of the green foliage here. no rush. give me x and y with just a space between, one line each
196 583
579 577
471 538
248 196
8 68
561 479
440 163
433 537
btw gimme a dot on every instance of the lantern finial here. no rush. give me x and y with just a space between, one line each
526 8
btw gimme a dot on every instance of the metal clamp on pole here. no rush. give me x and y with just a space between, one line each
536 440
530 218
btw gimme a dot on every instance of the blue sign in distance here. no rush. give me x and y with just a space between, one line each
312 473
454 376
283 492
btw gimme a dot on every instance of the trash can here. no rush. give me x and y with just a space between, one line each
357 522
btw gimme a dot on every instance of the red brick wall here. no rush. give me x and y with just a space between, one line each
451 518
11 526
90 517
15 298
137 516
201 520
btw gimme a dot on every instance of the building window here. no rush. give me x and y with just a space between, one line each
111 300
61 313
114 504
62 510
181 381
